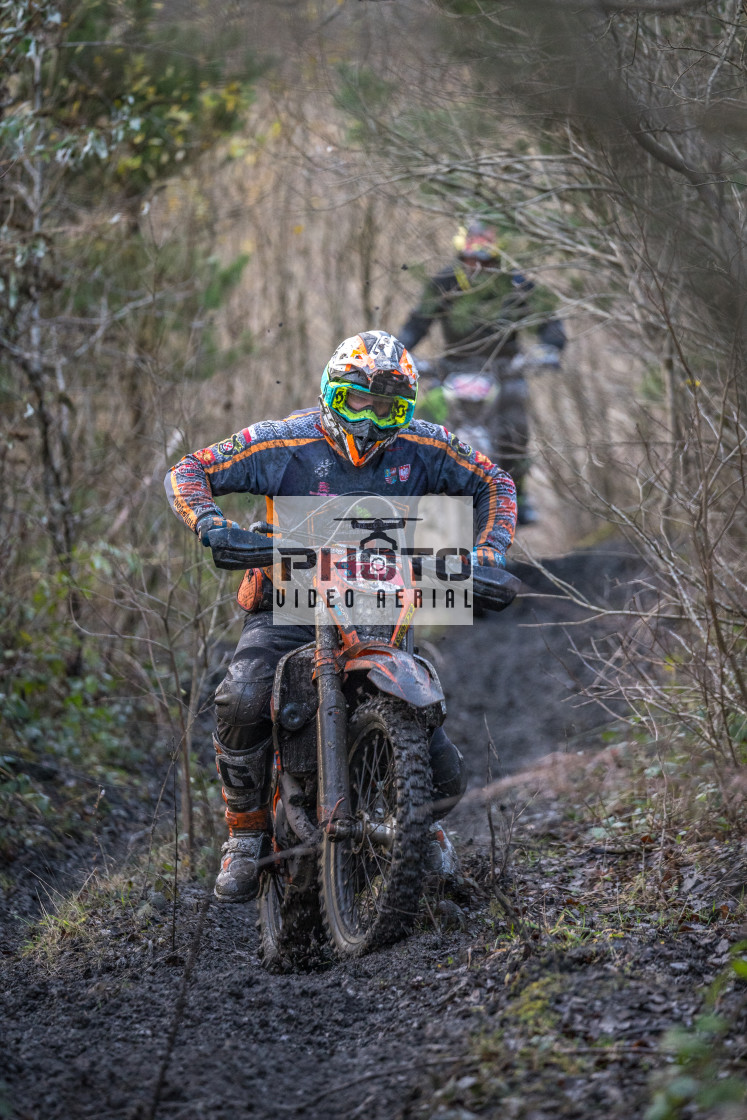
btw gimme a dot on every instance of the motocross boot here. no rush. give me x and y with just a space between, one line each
245 777
441 858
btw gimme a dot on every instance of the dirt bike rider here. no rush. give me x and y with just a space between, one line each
481 305
361 436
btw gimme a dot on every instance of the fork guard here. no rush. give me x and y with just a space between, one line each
407 676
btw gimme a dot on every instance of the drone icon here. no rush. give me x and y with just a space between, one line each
378 527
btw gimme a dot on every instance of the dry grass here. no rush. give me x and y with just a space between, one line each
129 908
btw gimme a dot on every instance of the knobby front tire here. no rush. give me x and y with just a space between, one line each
370 889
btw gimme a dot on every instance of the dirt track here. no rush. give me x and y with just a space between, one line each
125 1028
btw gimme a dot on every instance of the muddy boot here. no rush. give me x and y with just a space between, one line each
442 858
449 772
245 777
240 869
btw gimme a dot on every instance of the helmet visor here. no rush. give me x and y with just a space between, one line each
353 403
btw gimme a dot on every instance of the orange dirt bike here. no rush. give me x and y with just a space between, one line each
352 712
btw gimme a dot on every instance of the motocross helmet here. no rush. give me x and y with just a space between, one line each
368 394
477 242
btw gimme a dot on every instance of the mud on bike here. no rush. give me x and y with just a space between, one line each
352 715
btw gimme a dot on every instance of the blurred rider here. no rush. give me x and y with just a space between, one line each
481 305
359 437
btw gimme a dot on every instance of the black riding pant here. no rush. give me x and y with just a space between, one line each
242 702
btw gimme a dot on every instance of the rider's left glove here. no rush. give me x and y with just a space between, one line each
485 557
209 521
545 356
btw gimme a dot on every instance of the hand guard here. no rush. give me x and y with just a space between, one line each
209 521
485 557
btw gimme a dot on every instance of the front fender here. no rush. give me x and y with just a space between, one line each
396 672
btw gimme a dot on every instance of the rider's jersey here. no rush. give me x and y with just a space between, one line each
480 316
292 457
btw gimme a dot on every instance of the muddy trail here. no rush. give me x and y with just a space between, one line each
164 1011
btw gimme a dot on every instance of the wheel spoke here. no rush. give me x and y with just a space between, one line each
373 852
368 898
369 761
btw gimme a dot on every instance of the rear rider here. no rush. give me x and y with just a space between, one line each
360 436
481 304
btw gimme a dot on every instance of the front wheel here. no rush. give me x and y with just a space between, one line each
371 881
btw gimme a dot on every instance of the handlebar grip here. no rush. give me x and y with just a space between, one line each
495 587
236 549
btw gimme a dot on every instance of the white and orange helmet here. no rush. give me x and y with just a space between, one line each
374 363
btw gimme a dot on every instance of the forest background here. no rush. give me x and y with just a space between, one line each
198 201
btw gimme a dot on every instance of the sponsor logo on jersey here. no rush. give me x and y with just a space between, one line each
461 448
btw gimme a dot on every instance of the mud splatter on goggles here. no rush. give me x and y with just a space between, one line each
336 395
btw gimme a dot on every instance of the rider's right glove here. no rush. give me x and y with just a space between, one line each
485 557
209 521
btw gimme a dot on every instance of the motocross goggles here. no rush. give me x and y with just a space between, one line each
383 411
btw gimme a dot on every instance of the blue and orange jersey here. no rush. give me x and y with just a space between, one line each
292 457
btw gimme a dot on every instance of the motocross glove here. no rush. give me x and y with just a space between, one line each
209 521
545 355
485 557
521 283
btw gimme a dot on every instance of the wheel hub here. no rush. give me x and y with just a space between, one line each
362 828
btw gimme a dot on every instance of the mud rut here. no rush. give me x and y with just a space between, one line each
139 1032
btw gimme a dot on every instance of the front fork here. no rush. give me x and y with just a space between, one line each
333 799
334 809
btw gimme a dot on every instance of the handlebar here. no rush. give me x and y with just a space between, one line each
237 549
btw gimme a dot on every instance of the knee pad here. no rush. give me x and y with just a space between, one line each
242 699
449 771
